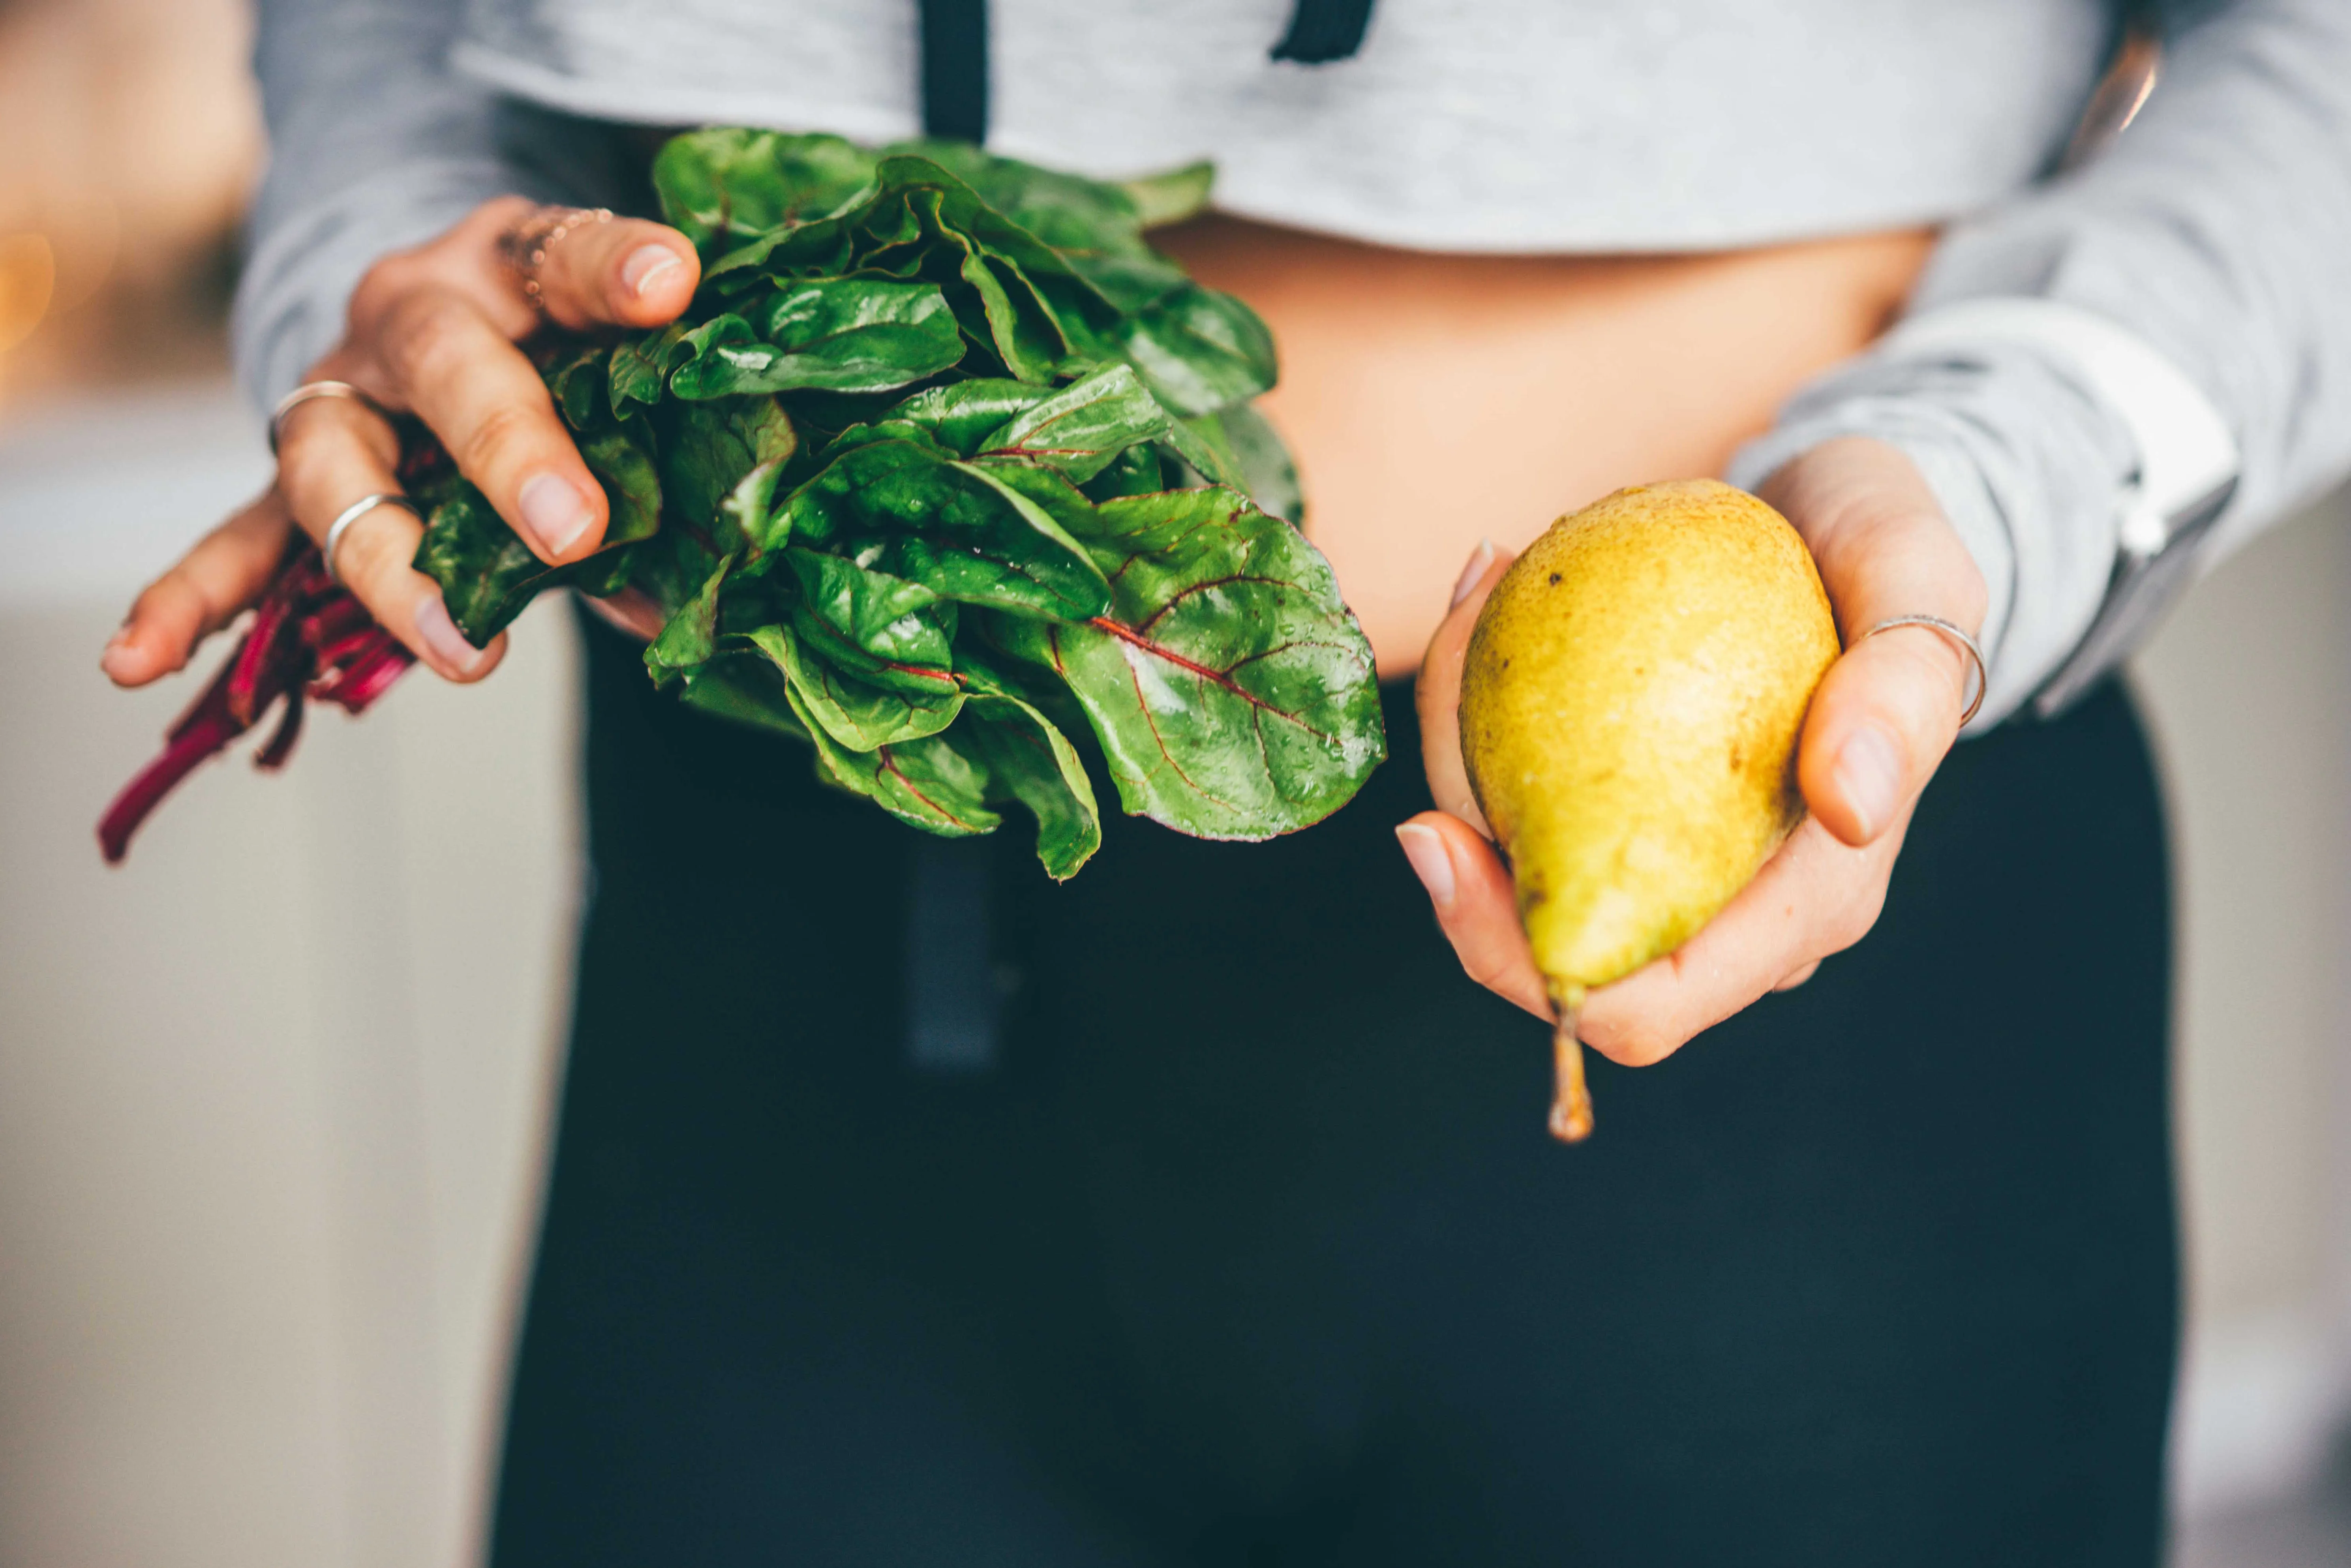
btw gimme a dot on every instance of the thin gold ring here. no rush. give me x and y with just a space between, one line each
352 514
1967 644
310 390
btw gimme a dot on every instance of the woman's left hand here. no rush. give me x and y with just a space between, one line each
1879 724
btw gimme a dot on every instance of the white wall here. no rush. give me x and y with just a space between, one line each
2249 691
272 1094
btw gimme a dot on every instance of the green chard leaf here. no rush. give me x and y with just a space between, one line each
749 512
1171 196
1094 229
723 184
1230 687
708 449
746 689
952 526
1137 471
929 782
844 334
1003 751
893 633
1080 429
637 372
690 637
961 414
900 480
621 458
1030 760
1198 351
858 714
1266 470
1014 319
574 380
487 574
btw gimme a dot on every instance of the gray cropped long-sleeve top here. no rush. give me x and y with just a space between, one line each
2216 233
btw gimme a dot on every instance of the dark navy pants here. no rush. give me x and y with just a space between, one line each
1250 1248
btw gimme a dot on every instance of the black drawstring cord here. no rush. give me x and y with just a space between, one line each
953 1006
954 69
954 56
1322 31
953 1002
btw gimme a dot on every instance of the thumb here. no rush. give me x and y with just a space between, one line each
623 272
1889 708
1437 693
1880 723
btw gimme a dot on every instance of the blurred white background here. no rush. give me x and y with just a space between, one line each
271 1137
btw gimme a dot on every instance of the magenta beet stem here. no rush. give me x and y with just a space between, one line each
204 730
310 640
272 756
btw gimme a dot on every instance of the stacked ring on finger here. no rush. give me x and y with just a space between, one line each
1967 645
528 243
352 514
310 390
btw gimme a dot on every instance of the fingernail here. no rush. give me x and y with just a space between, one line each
1479 559
1869 773
1425 848
553 511
117 646
646 265
442 638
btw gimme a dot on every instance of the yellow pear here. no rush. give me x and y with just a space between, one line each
1630 706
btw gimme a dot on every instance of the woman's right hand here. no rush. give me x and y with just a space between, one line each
433 331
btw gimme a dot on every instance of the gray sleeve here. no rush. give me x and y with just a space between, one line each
374 147
2217 230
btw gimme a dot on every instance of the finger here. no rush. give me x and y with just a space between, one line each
203 592
1475 906
1888 710
624 272
485 401
1879 726
1799 977
632 613
1436 694
1816 896
591 274
336 457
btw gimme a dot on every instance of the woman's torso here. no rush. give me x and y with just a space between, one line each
1707 203
1431 400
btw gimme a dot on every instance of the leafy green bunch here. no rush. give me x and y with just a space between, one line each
944 465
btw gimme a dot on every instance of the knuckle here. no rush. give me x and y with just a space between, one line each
419 338
383 286
373 555
303 452
496 436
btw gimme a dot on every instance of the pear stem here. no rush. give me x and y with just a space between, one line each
1571 1110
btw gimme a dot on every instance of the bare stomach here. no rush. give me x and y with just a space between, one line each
1433 400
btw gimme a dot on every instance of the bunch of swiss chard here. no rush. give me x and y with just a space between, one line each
945 466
